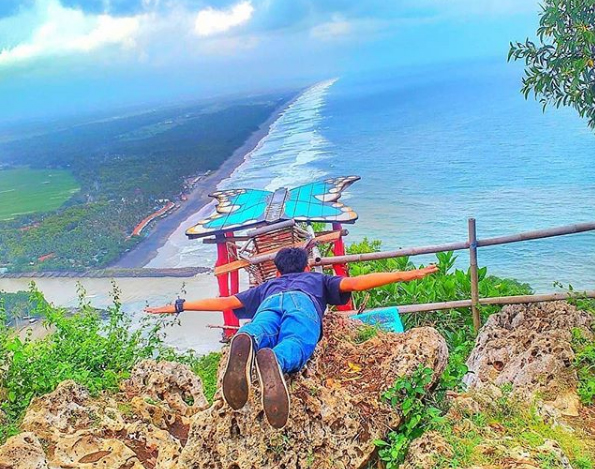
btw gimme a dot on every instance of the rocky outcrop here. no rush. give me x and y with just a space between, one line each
144 426
171 383
426 451
528 347
519 371
23 451
160 419
336 413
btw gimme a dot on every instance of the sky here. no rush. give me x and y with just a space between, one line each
60 57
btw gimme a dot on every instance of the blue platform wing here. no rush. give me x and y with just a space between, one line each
318 201
239 209
235 209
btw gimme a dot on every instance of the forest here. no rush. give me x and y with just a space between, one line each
125 167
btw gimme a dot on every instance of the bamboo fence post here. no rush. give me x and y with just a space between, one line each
315 250
473 274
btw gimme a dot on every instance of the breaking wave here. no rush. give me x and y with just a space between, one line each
283 158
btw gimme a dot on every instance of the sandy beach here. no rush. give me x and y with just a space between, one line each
162 229
190 330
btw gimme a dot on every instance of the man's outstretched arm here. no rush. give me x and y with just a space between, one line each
208 304
368 281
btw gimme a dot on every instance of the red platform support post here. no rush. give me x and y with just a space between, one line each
234 280
341 269
229 319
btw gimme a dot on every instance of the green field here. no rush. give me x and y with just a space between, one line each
24 191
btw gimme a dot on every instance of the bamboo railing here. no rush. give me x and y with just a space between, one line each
472 244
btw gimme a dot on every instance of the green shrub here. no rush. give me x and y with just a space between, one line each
365 332
408 395
450 284
17 306
584 363
206 368
95 352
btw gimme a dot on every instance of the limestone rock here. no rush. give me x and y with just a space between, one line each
567 404
23 451
464 406
173 383
63 411
552 447
336 413
425 450
529 348
145 426
163 447
336 410
87 450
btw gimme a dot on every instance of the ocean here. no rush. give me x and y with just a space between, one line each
434 147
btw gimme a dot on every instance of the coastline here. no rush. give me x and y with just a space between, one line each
189 331
182 272
162 229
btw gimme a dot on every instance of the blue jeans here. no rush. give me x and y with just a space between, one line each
289 324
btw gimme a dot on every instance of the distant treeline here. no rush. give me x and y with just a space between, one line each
15 306
125 166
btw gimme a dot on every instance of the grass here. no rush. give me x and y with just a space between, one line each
584 364
24 191
508 425
206 368
365 333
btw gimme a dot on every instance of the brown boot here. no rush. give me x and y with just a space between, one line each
275 396
236 379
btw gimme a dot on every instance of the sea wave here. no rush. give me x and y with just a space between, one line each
283 158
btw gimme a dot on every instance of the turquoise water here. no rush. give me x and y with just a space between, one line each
434 148
433 153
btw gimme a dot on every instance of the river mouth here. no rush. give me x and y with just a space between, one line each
188 332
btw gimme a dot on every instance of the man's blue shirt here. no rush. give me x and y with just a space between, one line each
322 289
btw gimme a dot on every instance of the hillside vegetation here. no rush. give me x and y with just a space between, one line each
126 167
94 348
443 427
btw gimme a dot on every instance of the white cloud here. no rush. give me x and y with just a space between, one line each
64 31
210 21
336 28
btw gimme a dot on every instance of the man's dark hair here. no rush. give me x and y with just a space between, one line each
291 260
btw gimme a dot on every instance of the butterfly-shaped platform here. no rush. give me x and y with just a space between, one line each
239 209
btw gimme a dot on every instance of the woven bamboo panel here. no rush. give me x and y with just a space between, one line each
270 241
